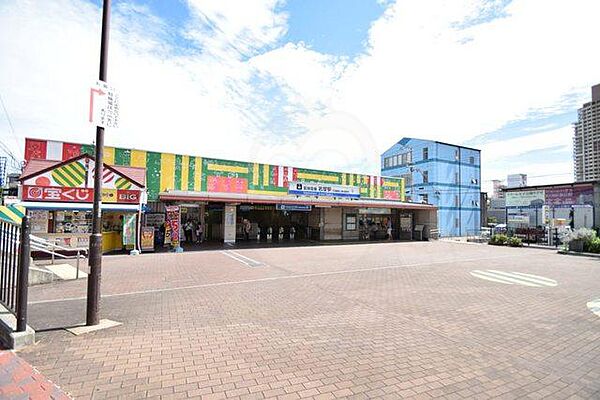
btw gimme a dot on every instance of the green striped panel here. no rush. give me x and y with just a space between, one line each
191 173
178 161
153 175
122 183
122 157
70 175
89 149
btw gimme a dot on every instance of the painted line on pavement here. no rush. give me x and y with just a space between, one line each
510 278
594 306
276 278
241 258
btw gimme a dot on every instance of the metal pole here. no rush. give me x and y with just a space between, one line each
95 254
23 277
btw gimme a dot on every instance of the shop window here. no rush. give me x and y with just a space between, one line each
425 153
350 222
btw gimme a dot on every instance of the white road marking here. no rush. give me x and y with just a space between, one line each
276 278
241 258
594 306
510 278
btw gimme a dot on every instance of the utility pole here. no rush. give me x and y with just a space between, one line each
95 253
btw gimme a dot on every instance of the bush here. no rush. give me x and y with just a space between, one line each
515 242
584 234
593 246
499 240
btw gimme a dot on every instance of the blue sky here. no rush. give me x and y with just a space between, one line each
315 83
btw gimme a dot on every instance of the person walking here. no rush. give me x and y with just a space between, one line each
247 229
199 232
389 230
188 230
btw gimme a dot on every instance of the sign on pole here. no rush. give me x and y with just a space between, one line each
104 105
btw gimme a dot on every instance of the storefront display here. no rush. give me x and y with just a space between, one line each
58 201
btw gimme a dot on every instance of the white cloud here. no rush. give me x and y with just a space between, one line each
432 69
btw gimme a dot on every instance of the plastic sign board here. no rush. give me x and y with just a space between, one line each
525 198
293 207
323 189
104 105
79 195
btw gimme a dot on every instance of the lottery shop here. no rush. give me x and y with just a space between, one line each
58 197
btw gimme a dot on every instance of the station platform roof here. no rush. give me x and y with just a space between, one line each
244 198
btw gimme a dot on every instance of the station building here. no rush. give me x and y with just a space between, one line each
158 193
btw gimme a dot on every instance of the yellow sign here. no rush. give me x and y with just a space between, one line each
109 195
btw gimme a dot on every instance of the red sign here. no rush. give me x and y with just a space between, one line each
79 195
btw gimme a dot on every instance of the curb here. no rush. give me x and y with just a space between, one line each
579 254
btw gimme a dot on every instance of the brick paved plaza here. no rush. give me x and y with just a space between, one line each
399 320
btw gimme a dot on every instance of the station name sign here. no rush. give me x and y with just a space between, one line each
323 189
79 195
294 207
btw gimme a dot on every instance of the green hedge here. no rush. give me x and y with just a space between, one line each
503 240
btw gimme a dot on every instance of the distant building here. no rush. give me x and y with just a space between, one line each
497 192
445 175
543 205
516 180
586 141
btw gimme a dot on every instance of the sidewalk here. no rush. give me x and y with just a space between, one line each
19 380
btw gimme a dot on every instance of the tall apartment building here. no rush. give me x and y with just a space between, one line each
445 175
586 141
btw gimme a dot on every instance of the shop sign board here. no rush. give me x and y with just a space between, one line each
79 195
569 196
38 220
147 238
155 220
294 207
323 189
172 225
375 211
525 199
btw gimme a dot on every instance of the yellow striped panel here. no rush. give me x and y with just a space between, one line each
9 213
227 168
266 179
320 177
167 171
198 175
109 155
393 184
255 174
185 169
138 158
267 192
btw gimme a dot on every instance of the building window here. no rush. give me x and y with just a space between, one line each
456 223
425 153
456 155
474 181
407 180
471 160
455 200
425 176
350 222
456 178
425 198
395 162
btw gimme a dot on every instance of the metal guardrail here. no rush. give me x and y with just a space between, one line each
48 247
15 253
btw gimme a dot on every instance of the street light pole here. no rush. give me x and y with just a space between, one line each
95 253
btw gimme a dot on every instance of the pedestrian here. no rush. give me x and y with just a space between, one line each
389 230
188 229
199 232
247 229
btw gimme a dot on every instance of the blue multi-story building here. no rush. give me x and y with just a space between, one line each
445 175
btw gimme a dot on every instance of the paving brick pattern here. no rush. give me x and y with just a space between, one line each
403 320
19 380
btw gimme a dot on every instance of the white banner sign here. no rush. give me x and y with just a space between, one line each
104 105
323 189
525 198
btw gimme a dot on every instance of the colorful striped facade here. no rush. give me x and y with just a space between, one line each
166 171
